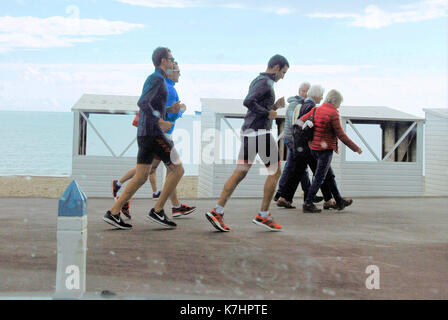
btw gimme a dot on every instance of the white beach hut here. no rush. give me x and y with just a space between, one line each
94 173
396 171
436 152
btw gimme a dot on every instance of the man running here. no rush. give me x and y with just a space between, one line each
257 139
175 110
152 143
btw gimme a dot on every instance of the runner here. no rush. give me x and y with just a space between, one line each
256 139
152 143
175 110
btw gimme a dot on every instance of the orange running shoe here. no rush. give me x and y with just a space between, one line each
217 220
267 223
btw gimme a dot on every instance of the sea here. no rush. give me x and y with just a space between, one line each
40 143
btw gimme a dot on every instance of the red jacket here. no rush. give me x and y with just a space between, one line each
327 129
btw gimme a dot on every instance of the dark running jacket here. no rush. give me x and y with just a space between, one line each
259 101
152 104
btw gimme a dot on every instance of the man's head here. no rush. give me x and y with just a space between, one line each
316 92
334 98
279 66
174 73
162 58
303 89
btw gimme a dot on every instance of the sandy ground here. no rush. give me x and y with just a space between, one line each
53 187
321 256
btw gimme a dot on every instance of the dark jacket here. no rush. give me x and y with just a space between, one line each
307 105
152 104
260 100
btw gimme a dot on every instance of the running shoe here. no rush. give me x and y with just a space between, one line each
182 211
125 209
217 220
267 223
156 195
116 221
161 218
115 187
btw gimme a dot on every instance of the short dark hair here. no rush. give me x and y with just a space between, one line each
158 54
278 60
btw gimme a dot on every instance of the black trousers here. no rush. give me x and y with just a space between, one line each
301 162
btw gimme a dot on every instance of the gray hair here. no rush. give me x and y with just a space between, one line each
304 85
334 97
316 91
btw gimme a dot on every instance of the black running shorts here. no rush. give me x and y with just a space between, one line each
264 145
156 147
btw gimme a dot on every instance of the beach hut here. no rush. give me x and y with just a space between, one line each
395 170
93 172
436 152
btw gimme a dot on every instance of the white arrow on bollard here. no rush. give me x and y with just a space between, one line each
72 243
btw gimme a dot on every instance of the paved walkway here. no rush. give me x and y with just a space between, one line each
320 256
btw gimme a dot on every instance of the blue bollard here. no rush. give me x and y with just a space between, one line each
73 202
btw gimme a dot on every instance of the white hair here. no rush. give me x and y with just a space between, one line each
334 97
304 85
316 91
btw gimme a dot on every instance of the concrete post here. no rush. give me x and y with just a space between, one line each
71 243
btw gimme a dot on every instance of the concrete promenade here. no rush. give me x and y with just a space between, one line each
317 256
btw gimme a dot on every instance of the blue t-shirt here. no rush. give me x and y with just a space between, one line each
172 98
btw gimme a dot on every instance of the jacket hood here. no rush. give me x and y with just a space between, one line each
294 99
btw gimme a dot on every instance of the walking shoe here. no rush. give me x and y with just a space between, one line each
217 220
267 223
115 187
182 211
331 204
125 209
116 221
345 202
156 195
318 199
161 218
310 208
285 204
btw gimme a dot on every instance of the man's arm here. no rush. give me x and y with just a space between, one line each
255 93
145 101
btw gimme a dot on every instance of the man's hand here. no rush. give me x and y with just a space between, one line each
183 107
175 107
272 114
165 125
280 103
359 151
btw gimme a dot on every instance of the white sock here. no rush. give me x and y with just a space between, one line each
219 209
264 214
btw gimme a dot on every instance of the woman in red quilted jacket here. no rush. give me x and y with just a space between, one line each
327 131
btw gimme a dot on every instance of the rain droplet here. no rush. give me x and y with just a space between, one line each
28 178
324 144
329 292
112 253
299 149
33 255
138 258
156 113
25 220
